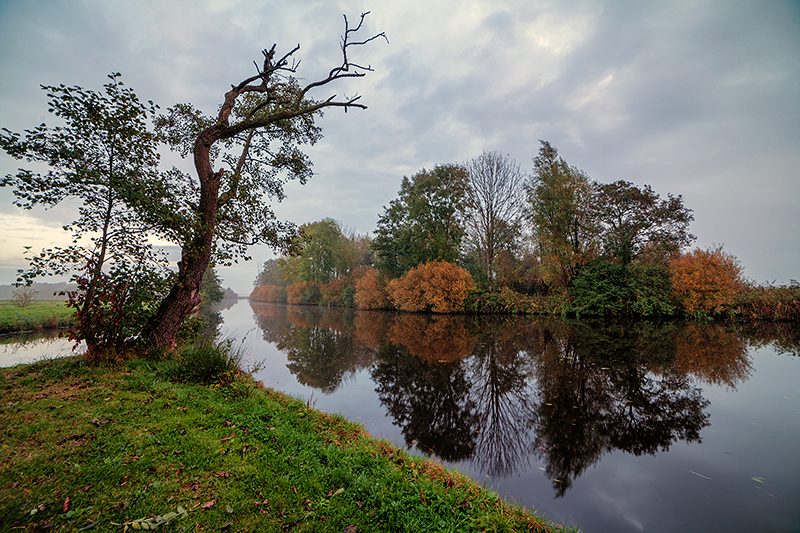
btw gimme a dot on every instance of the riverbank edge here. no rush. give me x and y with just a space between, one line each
113 446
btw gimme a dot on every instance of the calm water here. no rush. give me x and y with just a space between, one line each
612 427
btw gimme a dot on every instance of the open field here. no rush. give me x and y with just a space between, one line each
37 316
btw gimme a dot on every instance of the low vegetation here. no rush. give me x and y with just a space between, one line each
39 315
146 443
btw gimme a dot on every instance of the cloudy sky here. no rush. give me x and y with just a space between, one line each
699 98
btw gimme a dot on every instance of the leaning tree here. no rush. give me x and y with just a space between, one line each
256 134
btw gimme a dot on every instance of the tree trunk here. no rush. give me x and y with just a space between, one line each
195 258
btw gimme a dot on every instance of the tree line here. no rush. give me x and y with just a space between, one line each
483 236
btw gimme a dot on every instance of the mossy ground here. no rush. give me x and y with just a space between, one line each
110 448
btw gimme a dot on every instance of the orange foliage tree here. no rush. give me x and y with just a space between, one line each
269 293
707 280
437 286
304 292
370 290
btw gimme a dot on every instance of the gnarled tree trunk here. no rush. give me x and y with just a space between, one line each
276 105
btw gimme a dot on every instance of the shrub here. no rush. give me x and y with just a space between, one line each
706 281
304 292
269 293
24 296
606 288
652 290
771 303
112 309
437 286
600 288
370 291
334 293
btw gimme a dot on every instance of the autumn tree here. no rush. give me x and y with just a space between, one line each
371 291
559 198
242 157
103 156
424 223
633 221
494 207
436 286
707 281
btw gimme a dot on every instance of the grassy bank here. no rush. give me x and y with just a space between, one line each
47 314
113 447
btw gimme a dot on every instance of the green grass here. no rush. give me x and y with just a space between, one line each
102 448
37 316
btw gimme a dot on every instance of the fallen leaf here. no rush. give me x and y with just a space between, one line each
351 529
229 509
66 504
221 474
208 505
99 421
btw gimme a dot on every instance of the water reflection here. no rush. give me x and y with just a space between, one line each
500 392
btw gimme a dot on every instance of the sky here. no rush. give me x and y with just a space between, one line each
698 97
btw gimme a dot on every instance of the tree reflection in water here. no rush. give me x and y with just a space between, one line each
501 392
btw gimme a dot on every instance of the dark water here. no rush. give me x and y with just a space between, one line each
612 427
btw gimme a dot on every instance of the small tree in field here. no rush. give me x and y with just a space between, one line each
436 286
24 296
707 281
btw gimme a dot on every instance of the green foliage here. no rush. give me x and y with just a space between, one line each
270 273
122 302
104 157
323 272
559 197
424 223
211 291
325 253
257 165
601 288
304 293
604 288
